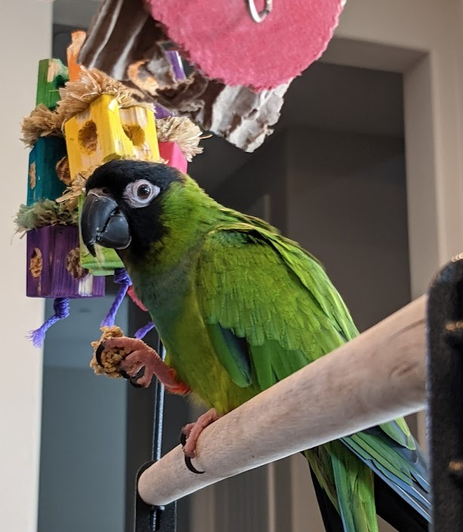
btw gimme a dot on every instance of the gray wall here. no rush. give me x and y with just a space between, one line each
83 445
347 205
265 173
82 480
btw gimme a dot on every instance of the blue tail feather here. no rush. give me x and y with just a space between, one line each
415 492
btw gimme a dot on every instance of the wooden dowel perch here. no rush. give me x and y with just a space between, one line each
373 379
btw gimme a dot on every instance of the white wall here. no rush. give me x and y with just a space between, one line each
25 36
423 39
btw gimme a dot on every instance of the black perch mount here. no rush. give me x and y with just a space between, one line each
445 396
150 518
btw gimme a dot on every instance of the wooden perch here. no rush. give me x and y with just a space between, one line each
371 380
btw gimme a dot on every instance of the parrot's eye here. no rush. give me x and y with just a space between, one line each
143 191
140 193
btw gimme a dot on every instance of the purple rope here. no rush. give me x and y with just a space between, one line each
120 277
141 333
61 311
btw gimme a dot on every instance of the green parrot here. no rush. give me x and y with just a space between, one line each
239 307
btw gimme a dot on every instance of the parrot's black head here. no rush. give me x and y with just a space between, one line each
124 204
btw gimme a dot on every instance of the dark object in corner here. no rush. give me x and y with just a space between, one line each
445 402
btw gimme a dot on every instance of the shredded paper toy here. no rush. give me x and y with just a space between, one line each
241 69
108 361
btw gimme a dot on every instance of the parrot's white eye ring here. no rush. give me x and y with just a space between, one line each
140 193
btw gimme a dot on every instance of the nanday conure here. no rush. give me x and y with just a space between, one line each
239 307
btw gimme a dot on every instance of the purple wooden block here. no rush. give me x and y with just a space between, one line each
162 112
53 265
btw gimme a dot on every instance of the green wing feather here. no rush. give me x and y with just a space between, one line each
265 289
230 354
355 489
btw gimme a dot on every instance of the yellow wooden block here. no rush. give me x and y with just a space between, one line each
104 132
139 125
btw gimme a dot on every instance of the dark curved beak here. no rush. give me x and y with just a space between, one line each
103 223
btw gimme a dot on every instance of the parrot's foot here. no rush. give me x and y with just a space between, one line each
143 360
191 432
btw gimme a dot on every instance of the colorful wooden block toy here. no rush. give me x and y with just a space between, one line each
104 132
139 125
105 262
53 265
48 169
52 76
173 156
72 54
99 134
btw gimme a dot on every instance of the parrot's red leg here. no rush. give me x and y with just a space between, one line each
144 356
193 430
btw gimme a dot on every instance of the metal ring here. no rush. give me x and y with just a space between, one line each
256 15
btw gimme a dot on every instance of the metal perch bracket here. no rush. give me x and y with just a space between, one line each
149 518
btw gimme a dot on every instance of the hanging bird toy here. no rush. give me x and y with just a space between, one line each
83 118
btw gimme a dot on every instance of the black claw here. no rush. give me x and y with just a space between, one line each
134 380
99 352
191 467
134 383
124 374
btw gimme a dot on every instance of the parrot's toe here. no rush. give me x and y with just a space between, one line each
190 434
188 462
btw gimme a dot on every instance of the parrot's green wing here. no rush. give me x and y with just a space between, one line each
246 286
270 310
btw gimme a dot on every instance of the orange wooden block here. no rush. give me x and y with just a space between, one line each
78 38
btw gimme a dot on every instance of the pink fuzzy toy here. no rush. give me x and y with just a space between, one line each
223 40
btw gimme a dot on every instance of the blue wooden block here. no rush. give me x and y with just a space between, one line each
44 181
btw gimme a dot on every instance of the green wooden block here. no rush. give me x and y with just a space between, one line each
106 260
52 76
